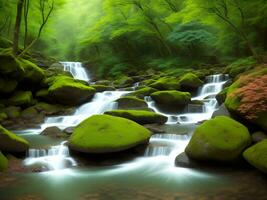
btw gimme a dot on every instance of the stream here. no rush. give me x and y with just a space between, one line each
152 175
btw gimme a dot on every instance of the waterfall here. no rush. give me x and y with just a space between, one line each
77 70
54 158
196 113
169 146
57 157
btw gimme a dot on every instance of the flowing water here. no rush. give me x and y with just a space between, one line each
77 70
151 176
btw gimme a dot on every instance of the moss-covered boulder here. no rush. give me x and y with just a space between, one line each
21 98
12 112
10 142
67 91
131 103
221 96
105 134
9 65
219 139
29 113
3 116
190 82
240 66
166 83
32 73
172 98
7 85
48 109
123 81
3 162
103 82
257 155
102 88
142 93
247 99
140 116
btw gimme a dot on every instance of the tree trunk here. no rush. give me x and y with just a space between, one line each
17 27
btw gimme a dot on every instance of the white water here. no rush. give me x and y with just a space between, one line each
162 149
77 70
194 113
101 103
55 158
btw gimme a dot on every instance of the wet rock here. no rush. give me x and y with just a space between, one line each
106 134
155 128
131 103
139 116
10 142
222 111
256 155
219 139
258 137
53 132
69 130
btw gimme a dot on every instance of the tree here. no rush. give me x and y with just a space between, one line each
17 27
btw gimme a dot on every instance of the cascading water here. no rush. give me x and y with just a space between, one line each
77 70
169 146
197 113
55 158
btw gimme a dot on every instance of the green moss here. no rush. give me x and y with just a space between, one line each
190 80
43 93
102 88
7 85
104 133
32 72
130 102
166 83
139 116
21 98
257 155
240 66
29 113
3 162
171 97
141 93
9 65
219 139
48 109
10 142
12 112
65 90
123 81
3 116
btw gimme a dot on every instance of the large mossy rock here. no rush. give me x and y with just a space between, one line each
172 98
32 73
247 99
219 139
7 85
166 83
106 134
131 103
9 65
123 81
10 142
102 88
143 92
21 98
257 155
3 162
139 116
190 82
12 112
67 91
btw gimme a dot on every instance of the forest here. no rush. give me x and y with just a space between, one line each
133 99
